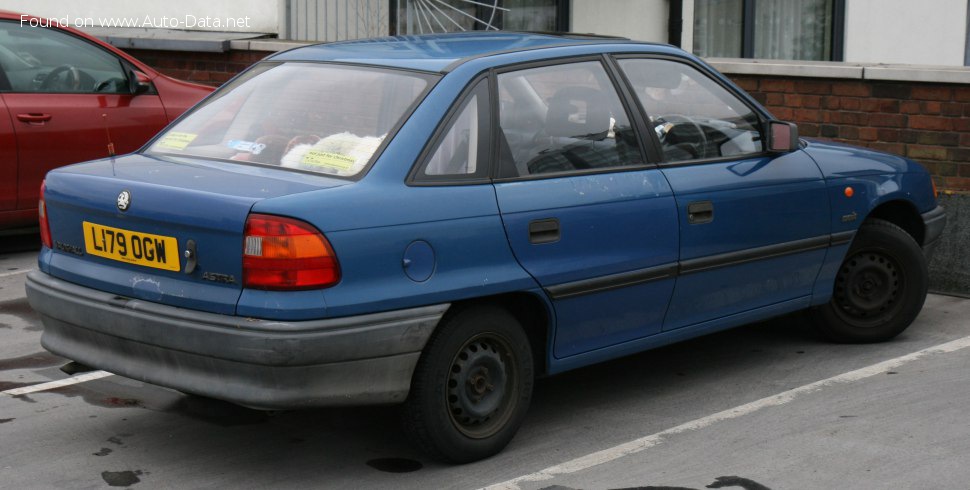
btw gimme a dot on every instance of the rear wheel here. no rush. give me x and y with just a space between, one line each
880 287
471 388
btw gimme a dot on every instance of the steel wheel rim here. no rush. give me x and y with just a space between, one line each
482 382
869 287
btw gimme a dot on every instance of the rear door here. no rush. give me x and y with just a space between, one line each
754 227
69 101
585 215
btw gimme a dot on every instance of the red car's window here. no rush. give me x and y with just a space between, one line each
39 59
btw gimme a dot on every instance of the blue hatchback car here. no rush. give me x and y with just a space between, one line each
434 221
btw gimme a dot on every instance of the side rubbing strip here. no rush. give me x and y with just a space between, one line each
612 281
841 238
752 254
632 278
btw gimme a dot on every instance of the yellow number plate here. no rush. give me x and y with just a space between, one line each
160 252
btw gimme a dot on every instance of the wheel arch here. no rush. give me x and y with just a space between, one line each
903 214
532 311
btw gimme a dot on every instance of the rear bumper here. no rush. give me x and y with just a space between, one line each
361 360
933 224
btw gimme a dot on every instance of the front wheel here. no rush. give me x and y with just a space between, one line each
471 387
879 289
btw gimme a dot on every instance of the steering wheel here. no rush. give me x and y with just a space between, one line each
110 83
71 82
682 132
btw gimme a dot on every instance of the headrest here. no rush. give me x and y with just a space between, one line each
577 111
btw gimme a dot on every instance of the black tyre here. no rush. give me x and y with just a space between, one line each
471 387
879 289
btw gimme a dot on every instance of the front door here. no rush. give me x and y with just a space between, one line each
754 227
584 214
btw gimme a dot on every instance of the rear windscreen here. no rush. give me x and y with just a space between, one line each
317 117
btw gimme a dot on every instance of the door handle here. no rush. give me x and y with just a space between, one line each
544 231
34 118
700 212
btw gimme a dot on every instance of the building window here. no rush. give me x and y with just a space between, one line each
771 29
428 16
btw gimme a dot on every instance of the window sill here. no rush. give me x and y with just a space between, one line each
180 40
843 70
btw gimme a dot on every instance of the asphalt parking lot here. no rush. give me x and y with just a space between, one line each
769 405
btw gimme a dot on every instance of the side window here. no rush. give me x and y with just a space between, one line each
39 60
462 151
694 117
562 118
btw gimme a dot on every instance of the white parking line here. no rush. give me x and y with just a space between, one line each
81 378
14 273
590 460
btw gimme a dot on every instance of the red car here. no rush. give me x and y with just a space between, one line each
67 97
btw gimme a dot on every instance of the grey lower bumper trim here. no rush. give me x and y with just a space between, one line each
933 224
357 360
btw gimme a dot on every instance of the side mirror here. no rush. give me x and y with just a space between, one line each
138 82
782 137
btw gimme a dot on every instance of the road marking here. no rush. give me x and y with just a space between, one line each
14 273
81 378
606 455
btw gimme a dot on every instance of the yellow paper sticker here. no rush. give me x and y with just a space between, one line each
317 158
175 140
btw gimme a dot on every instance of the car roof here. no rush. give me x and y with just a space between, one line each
437 52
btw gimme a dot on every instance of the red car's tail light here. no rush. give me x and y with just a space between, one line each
286 254
45 226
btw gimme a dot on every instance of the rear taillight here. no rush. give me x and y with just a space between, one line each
286 254
45 226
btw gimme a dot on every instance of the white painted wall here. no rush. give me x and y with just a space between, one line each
641 20
927 32
263 14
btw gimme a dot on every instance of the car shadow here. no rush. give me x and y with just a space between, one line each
19 242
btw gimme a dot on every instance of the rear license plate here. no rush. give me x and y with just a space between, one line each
157 251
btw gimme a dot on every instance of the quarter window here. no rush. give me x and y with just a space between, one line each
462 151
693 116
562 118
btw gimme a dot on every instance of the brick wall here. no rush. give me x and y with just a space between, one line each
928 122
208 68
